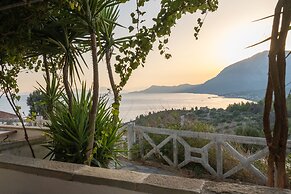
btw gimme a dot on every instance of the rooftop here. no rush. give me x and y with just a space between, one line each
6 115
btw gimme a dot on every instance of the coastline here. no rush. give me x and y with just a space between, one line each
135 104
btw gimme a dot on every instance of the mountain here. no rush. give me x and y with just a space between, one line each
184 88
246 78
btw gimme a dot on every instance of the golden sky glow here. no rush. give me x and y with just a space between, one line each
222 41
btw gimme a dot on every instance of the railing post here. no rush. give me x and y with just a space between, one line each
140 143
175 150
130 140
219 158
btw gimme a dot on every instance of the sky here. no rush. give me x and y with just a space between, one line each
222 41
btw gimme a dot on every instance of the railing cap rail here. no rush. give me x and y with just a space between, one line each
217 137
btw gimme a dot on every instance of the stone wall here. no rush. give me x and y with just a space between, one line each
15 144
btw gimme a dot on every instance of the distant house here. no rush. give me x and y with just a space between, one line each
8 118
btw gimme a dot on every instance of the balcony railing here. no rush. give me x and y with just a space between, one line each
221 143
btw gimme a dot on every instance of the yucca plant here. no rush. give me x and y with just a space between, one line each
107 136
51 93
69 133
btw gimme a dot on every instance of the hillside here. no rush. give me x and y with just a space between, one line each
228 121
246 78
235 119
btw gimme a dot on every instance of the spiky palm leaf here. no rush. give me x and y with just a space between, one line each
106 28
61 39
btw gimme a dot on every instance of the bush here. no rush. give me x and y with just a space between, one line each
68 132
288 167
251 131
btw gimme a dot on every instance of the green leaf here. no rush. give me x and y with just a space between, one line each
130 28
168 56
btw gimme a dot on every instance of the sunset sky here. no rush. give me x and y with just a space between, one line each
222 41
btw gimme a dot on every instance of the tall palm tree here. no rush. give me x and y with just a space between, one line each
88 14
107 27
59 38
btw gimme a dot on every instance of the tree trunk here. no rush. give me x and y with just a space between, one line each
47 70
67 85
113 85
93 111
11 100
269 95
277 140
16 111
48 82
268 132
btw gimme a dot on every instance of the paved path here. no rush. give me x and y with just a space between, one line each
137 167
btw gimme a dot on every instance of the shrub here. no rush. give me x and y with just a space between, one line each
251 131
68 132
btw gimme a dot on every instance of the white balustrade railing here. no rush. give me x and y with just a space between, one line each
220 142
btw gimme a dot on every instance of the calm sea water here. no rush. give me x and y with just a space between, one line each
135 104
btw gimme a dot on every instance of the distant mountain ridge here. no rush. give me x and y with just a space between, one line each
183 88
246 78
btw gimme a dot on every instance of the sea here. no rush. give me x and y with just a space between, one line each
135 104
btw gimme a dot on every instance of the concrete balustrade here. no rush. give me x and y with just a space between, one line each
220 142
